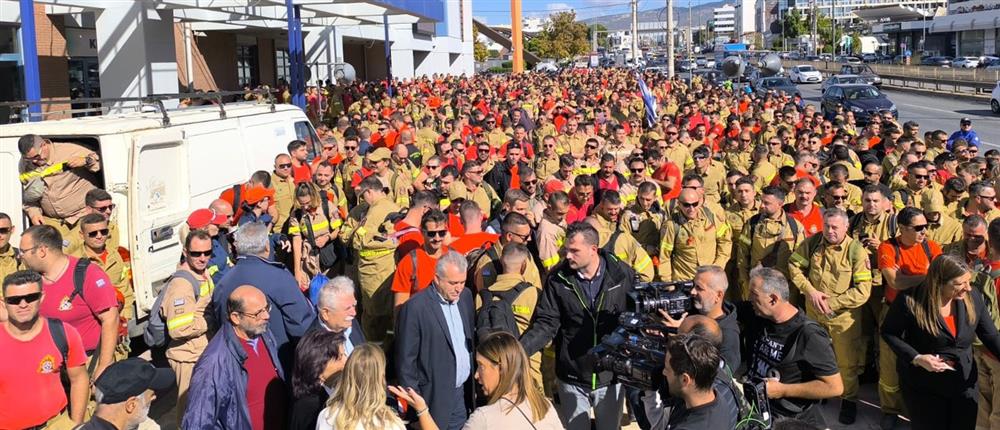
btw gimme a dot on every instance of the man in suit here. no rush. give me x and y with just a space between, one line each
434 343
336 309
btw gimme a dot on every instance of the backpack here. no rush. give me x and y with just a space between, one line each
609 247
856 221
773 255
473 258
156 328
58 333
498 315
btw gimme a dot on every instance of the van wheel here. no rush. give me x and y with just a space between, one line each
995 106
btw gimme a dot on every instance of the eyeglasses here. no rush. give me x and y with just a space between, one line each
103 232
872 173
700 157
484 151
923 177
919 228
107 208
285 166
6 230
993 197
920 153
690 205
672 133
17 300
591 147
838 198
199 254
746 140
350 148
523 237
433 166
637 170
436 233
529 183
258 314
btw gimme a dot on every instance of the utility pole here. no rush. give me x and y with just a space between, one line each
516 41
690 37
833 27
670 38
814 40
635 30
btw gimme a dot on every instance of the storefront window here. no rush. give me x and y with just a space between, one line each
246 65
971 43
281 63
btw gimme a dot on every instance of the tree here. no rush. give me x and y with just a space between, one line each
480 53
562 38
795 24
602 41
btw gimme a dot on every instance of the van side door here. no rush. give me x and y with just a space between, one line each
158 206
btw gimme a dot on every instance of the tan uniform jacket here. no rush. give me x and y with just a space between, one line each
184 314
75 239
65 189
715 181
284 199
550 238
689 243
120 274
523 305
841 271
545 167
626 248
770 243
880 228
487 269
483 195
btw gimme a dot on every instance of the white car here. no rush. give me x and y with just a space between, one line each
965 62
995 99
805 74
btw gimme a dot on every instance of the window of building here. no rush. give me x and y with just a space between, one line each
282 64
246 65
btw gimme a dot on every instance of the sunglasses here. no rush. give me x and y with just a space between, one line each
436 233
919 228
924 177
6 230
102 232
199 254
107 208
285 166
839 198
591 147
637 170
689 205
433 166
17 300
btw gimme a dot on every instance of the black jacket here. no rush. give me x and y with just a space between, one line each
499 178
563 317
730 326
907 340
425 359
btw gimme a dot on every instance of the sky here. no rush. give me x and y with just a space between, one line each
494 12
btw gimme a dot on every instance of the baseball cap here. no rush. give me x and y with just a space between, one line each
132 377
965 120
379 154
258 193
201 218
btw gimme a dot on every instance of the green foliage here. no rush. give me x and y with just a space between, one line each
602 35
562 38
507 64
795 24
499 69
493 53
479 49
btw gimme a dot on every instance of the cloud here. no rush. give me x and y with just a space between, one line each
480 18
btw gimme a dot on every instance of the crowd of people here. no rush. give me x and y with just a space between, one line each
451 250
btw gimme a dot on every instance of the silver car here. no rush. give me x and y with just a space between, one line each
841 79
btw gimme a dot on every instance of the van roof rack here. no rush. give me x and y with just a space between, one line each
155 100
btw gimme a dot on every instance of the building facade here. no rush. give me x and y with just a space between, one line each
116 49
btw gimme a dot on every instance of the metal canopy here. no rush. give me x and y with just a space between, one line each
262 14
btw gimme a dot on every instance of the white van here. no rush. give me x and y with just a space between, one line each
159 167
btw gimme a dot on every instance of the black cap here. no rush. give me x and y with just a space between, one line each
965 120
132 377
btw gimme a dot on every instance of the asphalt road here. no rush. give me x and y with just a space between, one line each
934 112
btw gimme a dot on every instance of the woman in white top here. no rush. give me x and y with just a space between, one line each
358 402
515 401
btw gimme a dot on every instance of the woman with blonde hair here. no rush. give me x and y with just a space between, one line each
514 401
311 231
931 328
359 401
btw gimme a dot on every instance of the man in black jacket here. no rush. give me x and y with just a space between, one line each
580 304
502 174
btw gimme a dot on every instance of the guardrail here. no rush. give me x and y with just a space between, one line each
970 82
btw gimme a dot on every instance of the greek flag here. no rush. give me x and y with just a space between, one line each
648 100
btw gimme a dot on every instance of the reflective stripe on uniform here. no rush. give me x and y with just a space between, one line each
375 253
444 203
798 259
298 229
722 230
551 261
643 264
522 310
668 247
35 174
862 277
745 239
180 321
336 224
560 241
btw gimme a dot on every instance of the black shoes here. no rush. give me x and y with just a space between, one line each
888 421
848 412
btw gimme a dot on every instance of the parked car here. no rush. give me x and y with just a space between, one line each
685 66
805 74
812 58
864 71
863 100
778 84
966 62
995 99
986 60
937 61
849 60
870 58
841 79
995 65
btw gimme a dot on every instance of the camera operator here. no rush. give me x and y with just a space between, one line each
580 304
792 353
700 399
708 297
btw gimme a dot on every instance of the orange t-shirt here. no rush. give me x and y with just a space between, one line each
911 261
409 237
949 321
470 241
402 281
812 223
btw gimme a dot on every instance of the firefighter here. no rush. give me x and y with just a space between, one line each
692 237
834 274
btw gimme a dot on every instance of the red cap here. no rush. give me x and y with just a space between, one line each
258 193
553 186
477 130
201 218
